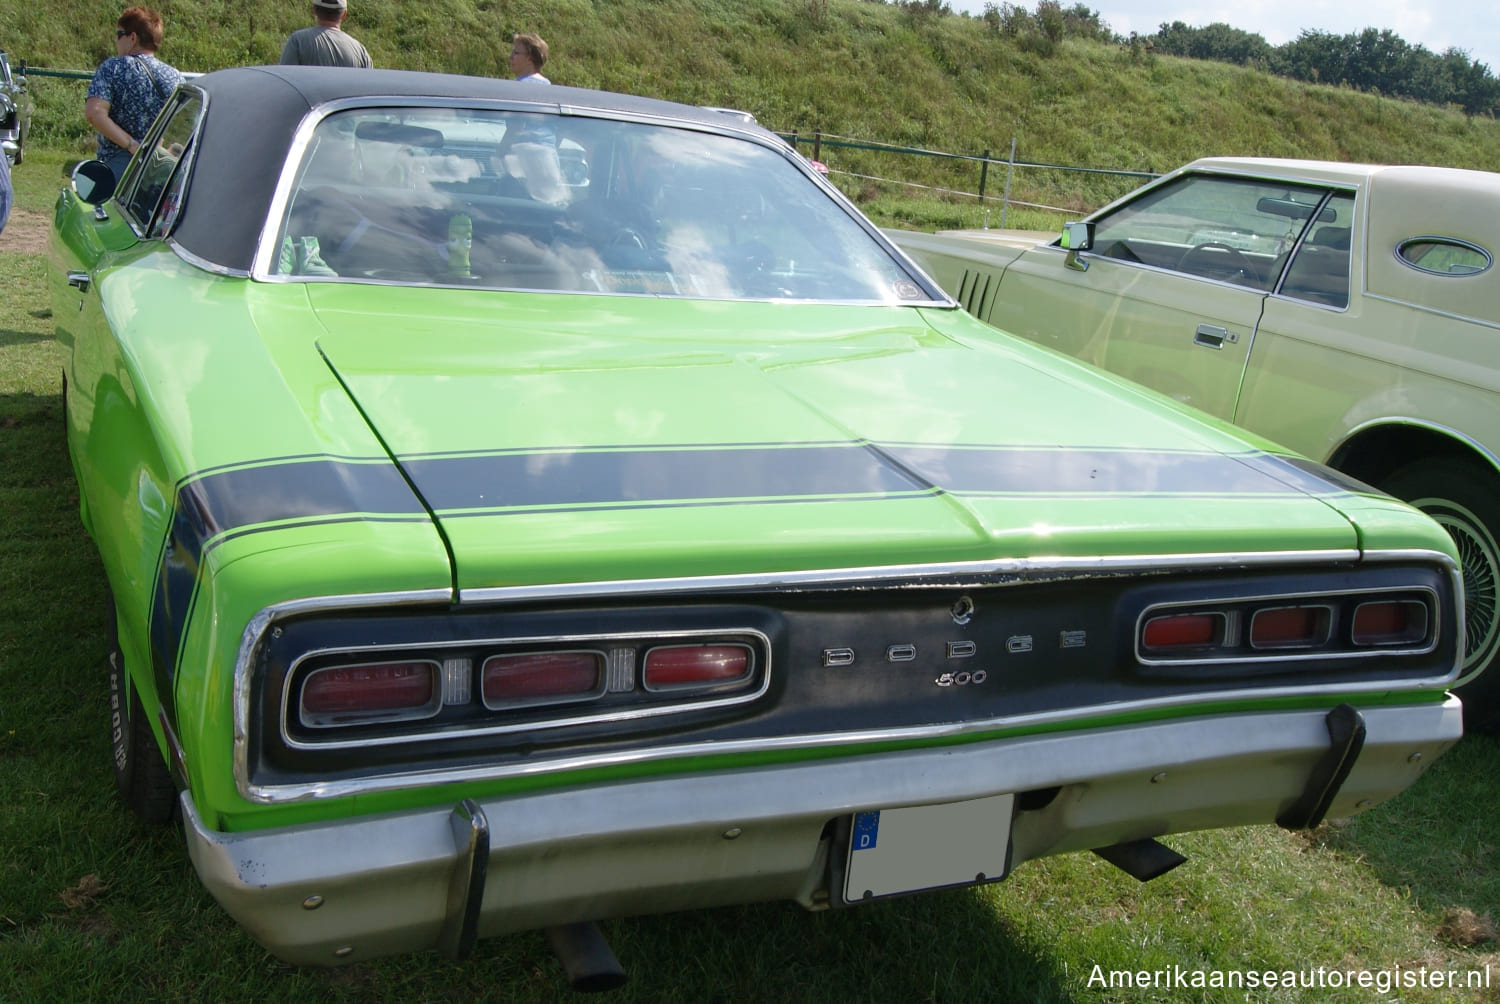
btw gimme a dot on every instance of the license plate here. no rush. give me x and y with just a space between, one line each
894 851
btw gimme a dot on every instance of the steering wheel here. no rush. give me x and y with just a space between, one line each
630 237
1235 257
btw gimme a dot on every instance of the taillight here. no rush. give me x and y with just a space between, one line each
674 667
1183 632
1274 628
526 678
1290 627
1389 622
370 692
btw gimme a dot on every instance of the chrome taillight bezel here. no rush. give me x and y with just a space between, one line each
623 699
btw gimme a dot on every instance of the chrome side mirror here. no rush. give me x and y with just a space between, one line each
93 181
1077 236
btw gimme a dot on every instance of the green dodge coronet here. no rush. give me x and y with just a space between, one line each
525 506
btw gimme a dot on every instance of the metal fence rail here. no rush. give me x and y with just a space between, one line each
818 140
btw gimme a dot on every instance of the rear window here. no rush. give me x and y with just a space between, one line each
1443 256
534 201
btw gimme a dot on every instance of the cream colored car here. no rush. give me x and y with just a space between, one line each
1349 311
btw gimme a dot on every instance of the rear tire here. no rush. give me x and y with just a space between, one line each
141 776
1465 499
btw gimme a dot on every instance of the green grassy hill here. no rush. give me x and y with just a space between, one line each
850 68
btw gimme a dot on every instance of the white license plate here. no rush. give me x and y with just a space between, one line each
927 847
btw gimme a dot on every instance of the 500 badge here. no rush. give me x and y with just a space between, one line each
961 679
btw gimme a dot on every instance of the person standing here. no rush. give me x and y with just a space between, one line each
528 54
325 43
129 88
5 195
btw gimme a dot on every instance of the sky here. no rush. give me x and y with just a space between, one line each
1475 28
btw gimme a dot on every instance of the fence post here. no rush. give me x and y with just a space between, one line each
1010 169
984 171
817 145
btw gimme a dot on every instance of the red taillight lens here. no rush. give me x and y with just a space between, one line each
1389 622
541 677
672 666
1179 632
1290 627
374 691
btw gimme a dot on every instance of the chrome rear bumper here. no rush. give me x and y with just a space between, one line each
328 893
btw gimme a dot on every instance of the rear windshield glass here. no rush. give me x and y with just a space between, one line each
521 200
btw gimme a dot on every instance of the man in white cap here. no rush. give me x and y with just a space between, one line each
325 43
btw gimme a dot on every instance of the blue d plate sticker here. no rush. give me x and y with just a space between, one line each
927 847
866 829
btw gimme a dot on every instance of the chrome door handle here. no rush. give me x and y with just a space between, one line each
80 280
1213 336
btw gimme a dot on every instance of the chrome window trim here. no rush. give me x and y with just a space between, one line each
183 92
941 575
1457 242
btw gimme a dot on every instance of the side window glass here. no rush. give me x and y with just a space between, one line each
1443 255
1234 230
156 169
1320 271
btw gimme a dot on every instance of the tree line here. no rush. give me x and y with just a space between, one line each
1374 60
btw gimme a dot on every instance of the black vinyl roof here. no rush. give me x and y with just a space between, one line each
254 111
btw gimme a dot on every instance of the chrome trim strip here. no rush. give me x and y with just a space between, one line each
1428 309
264 621
948 575
1420 423
204 264
308 791
907 576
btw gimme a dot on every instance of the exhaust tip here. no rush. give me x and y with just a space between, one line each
586 957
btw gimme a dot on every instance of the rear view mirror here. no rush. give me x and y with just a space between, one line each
400 133
1294 210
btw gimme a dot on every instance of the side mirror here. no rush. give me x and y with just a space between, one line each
93 181
1078 236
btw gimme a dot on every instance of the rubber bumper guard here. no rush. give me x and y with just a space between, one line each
1346 737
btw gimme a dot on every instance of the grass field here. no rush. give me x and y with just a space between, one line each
95 906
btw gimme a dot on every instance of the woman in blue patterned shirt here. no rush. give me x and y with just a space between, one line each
129 88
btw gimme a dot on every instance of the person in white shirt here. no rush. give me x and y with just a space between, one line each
528 54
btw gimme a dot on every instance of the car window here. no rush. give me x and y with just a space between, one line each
1319 271
154 171
1443 256
1230 229
522 200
